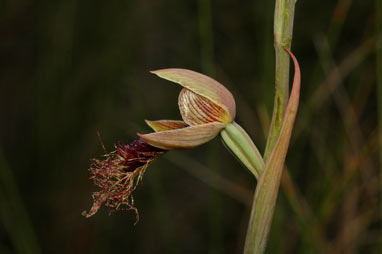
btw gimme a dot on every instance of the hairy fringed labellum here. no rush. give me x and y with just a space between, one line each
118 174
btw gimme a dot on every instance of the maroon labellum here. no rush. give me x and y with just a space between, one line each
119 173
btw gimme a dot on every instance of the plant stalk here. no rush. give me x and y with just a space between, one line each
267 188
283 29
279 134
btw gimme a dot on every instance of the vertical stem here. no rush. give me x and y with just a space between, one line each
283 28
267 188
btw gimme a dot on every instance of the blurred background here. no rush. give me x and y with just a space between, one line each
71 68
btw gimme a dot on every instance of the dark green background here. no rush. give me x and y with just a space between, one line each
71 68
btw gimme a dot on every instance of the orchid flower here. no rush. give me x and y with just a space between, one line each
207 109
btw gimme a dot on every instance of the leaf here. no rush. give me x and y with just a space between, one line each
269 182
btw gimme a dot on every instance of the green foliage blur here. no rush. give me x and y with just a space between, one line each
70 69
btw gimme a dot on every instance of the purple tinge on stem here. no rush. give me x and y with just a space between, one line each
119 173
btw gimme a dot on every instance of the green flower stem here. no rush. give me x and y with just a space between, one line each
283 28
277 144
238 141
